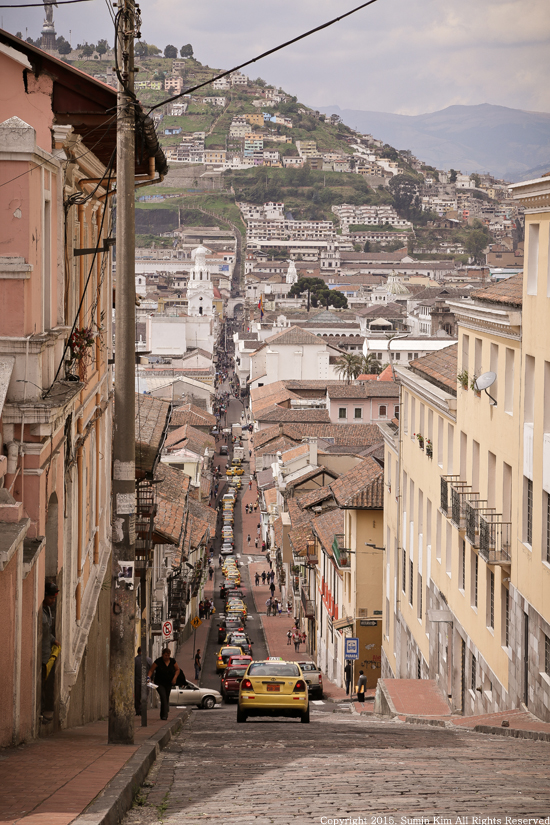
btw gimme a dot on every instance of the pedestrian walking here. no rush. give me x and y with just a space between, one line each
289 637
272 588
250 484
263 576
201 609
361 686
303 637
220 560
288 609
210 572
268 605
248 539
263 546
137 679
166 671
296 639
197 664
256 543
255 506
347 676
257 578
280 608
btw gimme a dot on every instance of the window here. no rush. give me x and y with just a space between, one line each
466 352
448 547
342 412
450 448
419 598
547 654
473 583
529 393
462 566
491 476
490 600
546 554
396 411
382 411
478 349
506 492
440 440
358 412
509 382
404 581
413 418
398 356
493 366
463 455
532 258
475 466
505 617
406 412
411 582
438 536
474 673
528 525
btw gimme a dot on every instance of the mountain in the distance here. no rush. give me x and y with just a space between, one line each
508 143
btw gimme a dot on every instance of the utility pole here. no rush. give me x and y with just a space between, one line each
123 600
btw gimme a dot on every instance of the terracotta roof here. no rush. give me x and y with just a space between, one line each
295 335
173 484
391 310
362 487
278 445
366 389
508 292
295 452
169 521
152 417
327 526
313 497
283 414
356 435
439 367
269 389
264 479
190 438
299 537
297 515
270 496
281 396
190 414
278 532
313 473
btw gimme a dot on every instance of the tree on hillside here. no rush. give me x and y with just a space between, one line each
170 51
63 46
87 50
452 175
186 51
141 49
152 50
405 195
102 47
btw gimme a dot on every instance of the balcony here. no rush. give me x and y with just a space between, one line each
341 553
474 508
308 605
311 553
460 494
445 495
494 538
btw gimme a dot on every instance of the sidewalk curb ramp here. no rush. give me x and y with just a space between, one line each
117 797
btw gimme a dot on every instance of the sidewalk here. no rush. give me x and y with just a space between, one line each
51 781
185 655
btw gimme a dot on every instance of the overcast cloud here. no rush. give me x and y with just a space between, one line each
403 56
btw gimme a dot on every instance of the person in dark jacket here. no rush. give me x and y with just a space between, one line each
137 679
361 687
166 671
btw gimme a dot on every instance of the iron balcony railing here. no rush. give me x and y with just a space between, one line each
494 538
308 605
474 508
460 493
341 552
145 518
445 496
156 615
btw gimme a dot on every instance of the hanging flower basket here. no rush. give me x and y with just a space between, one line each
420 439
429 448
81 342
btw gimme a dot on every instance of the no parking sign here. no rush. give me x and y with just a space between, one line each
167 629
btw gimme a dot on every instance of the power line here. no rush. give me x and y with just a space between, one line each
41 5
265 54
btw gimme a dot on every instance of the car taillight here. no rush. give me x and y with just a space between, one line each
299 686
320 679
247 684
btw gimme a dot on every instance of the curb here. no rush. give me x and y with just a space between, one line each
118 795
517 733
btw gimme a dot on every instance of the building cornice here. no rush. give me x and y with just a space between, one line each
532 194
440 400
488 317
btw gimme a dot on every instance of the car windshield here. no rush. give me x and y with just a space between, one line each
230 651
273 669
235 672
307 666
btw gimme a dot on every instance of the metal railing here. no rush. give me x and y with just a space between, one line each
445 498
474 508
460 493
340 552
308 605
494 538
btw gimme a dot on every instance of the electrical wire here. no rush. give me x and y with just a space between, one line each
95 253
35 5
265 54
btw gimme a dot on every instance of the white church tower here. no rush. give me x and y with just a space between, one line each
291 274
200 292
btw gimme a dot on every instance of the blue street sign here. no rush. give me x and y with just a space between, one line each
351 648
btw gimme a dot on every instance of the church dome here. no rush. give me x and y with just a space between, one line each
395 285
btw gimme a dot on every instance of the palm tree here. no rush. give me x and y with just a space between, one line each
370 365
349 366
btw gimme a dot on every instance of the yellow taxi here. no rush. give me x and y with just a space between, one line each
230 472
236 605
238 471
273 688
225 653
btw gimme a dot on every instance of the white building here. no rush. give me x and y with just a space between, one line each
293 354
200 291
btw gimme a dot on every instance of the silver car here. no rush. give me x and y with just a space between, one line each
193 695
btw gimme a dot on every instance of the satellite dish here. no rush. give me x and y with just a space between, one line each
486 380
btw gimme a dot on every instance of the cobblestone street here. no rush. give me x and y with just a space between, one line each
340 766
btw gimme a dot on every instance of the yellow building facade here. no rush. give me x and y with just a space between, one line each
467 511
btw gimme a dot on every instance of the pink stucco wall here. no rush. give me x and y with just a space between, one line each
7 623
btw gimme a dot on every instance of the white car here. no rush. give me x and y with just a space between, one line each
193 695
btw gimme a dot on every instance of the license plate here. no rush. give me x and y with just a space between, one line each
273 688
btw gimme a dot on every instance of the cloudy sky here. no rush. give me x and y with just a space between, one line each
402 56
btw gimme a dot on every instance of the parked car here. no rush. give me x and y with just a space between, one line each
231 681
191 694
313 677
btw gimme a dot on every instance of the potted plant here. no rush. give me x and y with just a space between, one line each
80 345
463 379
429 448
420 439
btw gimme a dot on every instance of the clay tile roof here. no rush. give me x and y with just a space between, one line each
295 452
313 497
295 335
299 537
173 484
439 367
360 436
366 389
313 473
327 526
152 417
190 414
391 310
190 438
508 292
278 445
270 496
278 532
169 521
289 415
297 515
361 487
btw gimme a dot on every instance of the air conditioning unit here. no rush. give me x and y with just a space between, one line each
362 612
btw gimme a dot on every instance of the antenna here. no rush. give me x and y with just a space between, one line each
486 380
